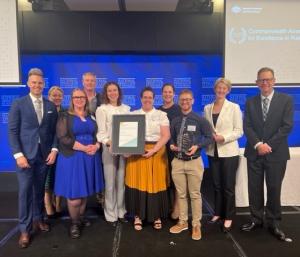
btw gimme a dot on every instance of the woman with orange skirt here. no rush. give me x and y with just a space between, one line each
146 178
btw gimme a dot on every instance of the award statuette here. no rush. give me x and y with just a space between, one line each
185 143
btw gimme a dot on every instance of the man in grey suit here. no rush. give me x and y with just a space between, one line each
267 123
31 127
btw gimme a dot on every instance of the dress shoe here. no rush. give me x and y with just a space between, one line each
251 226
214 221
84 222
112 223
123 220
24 240
226 229
75 230
41 226
275 231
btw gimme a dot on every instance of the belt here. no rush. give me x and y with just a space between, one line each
187 158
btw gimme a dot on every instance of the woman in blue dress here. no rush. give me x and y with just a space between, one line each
78 172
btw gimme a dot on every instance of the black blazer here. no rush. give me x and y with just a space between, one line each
274 131
65 135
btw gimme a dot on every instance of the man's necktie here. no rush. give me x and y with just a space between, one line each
265 108
38 110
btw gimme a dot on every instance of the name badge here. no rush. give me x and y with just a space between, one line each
191 128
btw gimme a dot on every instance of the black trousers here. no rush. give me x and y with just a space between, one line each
273 172
223 173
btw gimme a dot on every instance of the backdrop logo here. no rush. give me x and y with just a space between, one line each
184 82
238 98
158 100
68 82
126 82
129 100
4 117
46 80
100 82
6 100
238 36
66 101
208 82
154 82
207 99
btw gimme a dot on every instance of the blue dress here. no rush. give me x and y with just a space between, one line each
79 175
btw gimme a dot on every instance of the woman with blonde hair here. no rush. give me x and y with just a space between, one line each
55 95
225 118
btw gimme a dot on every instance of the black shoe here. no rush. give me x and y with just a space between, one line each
213 221
123 220
75 231
84 222
112 223
226 229
251 226
275 231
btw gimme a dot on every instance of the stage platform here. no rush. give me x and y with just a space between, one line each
101 239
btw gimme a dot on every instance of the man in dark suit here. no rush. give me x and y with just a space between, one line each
31 126
267 123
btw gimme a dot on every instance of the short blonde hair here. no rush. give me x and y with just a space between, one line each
35 71
226 82
89 73
53 88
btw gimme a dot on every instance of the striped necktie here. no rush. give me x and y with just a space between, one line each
265 108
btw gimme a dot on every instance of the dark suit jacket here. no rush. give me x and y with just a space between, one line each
24 130
274 131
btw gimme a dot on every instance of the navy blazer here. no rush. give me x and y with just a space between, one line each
25 131
274 131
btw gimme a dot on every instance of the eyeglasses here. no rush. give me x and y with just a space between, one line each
264 80
185 100
79 97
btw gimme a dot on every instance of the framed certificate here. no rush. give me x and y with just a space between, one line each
128 134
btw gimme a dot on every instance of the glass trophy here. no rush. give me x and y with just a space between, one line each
186 143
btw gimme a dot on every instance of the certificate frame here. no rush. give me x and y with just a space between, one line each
137 125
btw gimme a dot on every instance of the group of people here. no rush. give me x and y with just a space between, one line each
68 153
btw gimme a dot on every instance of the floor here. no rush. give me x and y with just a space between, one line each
101 239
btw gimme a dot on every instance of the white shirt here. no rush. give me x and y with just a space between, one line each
104 114
33 99
154 120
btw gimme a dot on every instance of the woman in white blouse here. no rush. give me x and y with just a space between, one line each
114 165
147 175
226 119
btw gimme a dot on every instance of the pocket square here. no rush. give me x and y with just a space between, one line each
50 112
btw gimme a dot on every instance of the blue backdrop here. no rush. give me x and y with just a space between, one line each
132 72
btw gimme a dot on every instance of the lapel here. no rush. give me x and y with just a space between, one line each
272 106
32 110
211 107
221 115
45 110
258 108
